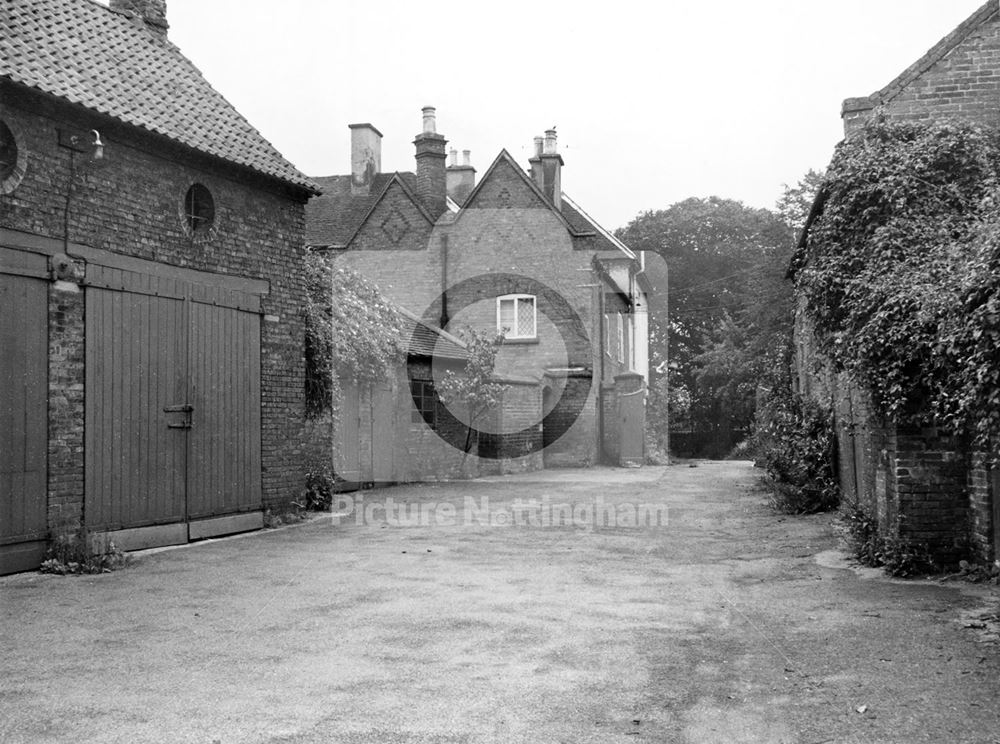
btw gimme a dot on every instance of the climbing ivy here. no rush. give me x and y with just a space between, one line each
352 332
901 272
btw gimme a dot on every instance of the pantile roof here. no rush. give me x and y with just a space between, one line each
333 218
87 54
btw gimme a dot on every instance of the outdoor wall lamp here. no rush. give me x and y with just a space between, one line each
98 146
76 142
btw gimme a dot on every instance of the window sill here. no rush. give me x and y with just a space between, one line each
520 341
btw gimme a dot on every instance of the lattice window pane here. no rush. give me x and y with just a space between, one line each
526 317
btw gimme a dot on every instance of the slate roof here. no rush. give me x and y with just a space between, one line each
90 55
583 222
423 340
333 218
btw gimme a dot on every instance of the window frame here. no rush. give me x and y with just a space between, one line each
427 393
199 211
513 334
13 169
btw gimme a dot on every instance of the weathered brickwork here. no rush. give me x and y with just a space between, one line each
982 490
66 391
930 476
429 456
919 484
131 203
517 445
959 78
395 224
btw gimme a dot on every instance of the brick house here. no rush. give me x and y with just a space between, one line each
919 484
512 252
150 250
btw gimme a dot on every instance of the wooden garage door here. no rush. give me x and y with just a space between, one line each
173 406
136 450
23 410
224 392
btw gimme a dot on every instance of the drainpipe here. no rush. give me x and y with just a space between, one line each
444 282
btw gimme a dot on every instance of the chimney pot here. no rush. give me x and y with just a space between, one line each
432 159
466 157
452 157
550 142
539 145
430 120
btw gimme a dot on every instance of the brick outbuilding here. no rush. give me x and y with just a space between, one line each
151 385
920 484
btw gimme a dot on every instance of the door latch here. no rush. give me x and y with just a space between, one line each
186 409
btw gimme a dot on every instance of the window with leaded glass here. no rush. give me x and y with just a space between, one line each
516 316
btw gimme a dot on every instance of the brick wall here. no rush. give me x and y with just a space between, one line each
131 203
507 229
930 477
918 483
430 455
982 492
964 83
66 391
517 444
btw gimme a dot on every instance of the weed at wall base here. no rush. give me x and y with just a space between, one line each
899 556
76 551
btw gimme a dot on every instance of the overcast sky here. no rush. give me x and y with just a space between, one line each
654 101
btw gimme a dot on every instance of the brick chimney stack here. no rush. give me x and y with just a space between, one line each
461 179
153 12
366 157
432 183
546 167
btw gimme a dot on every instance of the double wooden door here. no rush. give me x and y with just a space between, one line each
172 407
23 409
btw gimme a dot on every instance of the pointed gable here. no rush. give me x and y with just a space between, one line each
397 220
959 77
506 186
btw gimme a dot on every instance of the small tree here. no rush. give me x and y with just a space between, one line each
476 387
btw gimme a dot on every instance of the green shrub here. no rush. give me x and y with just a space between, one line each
320 487
899 556
794 442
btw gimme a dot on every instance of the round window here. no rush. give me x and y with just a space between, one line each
199 210
11 160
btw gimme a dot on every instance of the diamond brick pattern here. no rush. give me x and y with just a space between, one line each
395 225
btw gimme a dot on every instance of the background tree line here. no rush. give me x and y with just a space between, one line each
725 338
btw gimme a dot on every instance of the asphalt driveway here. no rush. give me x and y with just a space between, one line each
461 612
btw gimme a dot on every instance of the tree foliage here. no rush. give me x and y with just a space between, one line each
900 272
796 202
727 301
475 388
352 332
